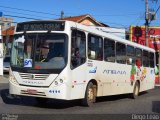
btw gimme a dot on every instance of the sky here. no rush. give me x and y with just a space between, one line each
115 13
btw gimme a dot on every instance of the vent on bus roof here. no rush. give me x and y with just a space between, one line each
34 76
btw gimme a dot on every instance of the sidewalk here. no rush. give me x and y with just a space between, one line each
3 79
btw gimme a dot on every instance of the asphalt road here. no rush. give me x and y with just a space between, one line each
146 103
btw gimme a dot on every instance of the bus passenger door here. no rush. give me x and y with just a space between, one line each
78 63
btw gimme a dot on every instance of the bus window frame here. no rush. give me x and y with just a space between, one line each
39 71
116 52
102 46
144 59
108 39
85 37
138 57
154 64
132 56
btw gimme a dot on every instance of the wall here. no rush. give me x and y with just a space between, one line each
153 40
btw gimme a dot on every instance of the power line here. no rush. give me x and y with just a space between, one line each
157 9
123 26
25 14
137 20
28 10
21 17
55 14
130 14
66 13
42 19
31 18
123 15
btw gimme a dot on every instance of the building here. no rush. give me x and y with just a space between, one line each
85 20
6 22
7 39
138 35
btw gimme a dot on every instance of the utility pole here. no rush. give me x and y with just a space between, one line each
149 16
62 14
147 22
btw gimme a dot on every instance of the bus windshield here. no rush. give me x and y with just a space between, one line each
40 51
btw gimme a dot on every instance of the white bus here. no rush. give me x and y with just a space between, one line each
66 60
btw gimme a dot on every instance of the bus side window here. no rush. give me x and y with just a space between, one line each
130 55
78 48
95 47
138 57
109 50
145 58
121 53
151 59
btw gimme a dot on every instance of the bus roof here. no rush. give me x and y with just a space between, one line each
95 30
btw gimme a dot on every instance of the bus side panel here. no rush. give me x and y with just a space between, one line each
94 70
78 81
112 78
147 78
116 78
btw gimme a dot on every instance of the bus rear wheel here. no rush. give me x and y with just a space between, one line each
90 95
136 89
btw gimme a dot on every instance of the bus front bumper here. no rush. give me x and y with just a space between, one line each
58 92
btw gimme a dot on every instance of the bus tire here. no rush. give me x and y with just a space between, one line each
136 89
41 101
90 95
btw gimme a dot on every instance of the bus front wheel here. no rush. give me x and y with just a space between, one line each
90 95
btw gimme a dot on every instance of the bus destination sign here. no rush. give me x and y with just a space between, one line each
40 26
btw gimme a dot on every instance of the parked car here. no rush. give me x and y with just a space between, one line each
6 64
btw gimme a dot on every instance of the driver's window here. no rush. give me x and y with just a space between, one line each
78 48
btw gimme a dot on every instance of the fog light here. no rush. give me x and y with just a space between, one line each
56 83
13 80
61 80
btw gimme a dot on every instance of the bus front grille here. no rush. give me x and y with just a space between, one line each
24 92
30 76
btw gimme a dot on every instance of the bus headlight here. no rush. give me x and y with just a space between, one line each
12 78
59 81
56 83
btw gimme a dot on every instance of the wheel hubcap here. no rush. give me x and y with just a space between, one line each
136 90
90 94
